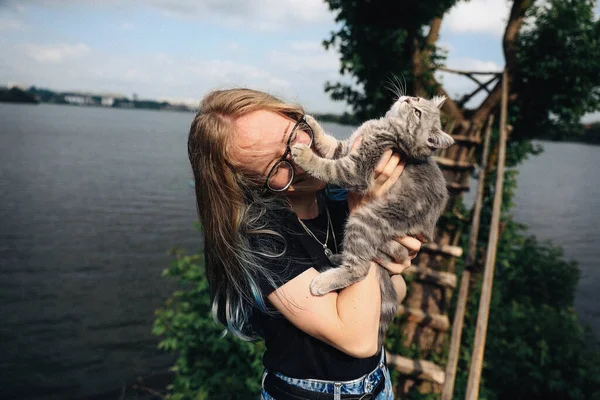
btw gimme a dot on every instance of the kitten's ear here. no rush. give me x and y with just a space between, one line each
439 101
439 139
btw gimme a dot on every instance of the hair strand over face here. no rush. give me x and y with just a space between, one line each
231 205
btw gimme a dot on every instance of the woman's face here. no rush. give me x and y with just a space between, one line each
260 141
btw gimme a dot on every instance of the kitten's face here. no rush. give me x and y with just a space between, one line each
421 118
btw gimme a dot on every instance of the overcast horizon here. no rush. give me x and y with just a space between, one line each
176 51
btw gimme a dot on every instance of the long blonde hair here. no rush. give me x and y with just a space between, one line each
232 205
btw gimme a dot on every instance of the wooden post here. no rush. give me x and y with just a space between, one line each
463 294
488 276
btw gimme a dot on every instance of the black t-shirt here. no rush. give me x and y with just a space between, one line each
291 351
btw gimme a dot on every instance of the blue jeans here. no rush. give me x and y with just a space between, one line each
364 384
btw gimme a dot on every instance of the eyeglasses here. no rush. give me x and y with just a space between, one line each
281 175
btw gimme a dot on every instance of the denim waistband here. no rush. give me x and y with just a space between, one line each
364 384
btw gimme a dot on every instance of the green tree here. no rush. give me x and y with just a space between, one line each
210 364
552 52
379 40
535 349
535 346
558 75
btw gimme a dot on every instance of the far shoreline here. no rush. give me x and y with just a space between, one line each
590 135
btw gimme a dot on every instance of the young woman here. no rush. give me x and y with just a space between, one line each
268 229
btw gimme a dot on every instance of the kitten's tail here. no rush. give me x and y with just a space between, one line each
389 303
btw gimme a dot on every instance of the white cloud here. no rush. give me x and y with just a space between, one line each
591 117
126 26
11 6
295 71
233 46
303 62
261 15
458 85
152 76
447 46
55 53
229 73
478 16
306 57
11 24
472 64
265 14
306 46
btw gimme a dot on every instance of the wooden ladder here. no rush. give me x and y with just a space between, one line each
425 370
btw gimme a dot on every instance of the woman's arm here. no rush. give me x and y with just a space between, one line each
349 319
387 172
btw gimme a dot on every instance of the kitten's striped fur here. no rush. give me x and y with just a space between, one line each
411 207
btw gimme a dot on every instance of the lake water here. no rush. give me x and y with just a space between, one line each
91 199
558 198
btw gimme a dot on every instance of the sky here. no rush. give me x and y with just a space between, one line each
177 50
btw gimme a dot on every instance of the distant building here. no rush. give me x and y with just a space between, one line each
107 101
79 99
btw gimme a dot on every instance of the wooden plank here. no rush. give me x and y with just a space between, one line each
490 261
419 369
466 139
445 279
466 72
463 294
436 321
449 163
483 86
455 186
449 250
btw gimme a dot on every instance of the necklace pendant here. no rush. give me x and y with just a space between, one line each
328 252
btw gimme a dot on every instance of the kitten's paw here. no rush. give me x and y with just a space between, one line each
320 286
314 125
301 154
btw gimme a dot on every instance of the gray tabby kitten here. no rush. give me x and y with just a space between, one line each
412 205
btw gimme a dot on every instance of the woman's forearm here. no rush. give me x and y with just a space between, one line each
359 309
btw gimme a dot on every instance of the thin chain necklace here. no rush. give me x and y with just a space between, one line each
326 249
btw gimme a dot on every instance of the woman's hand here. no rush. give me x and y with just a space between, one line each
386 173
395 267
398 260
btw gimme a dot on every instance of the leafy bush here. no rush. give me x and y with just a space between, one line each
535 347
209 365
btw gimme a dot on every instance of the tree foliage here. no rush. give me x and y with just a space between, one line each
558 76
209 365
553 60
536 348
376 40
